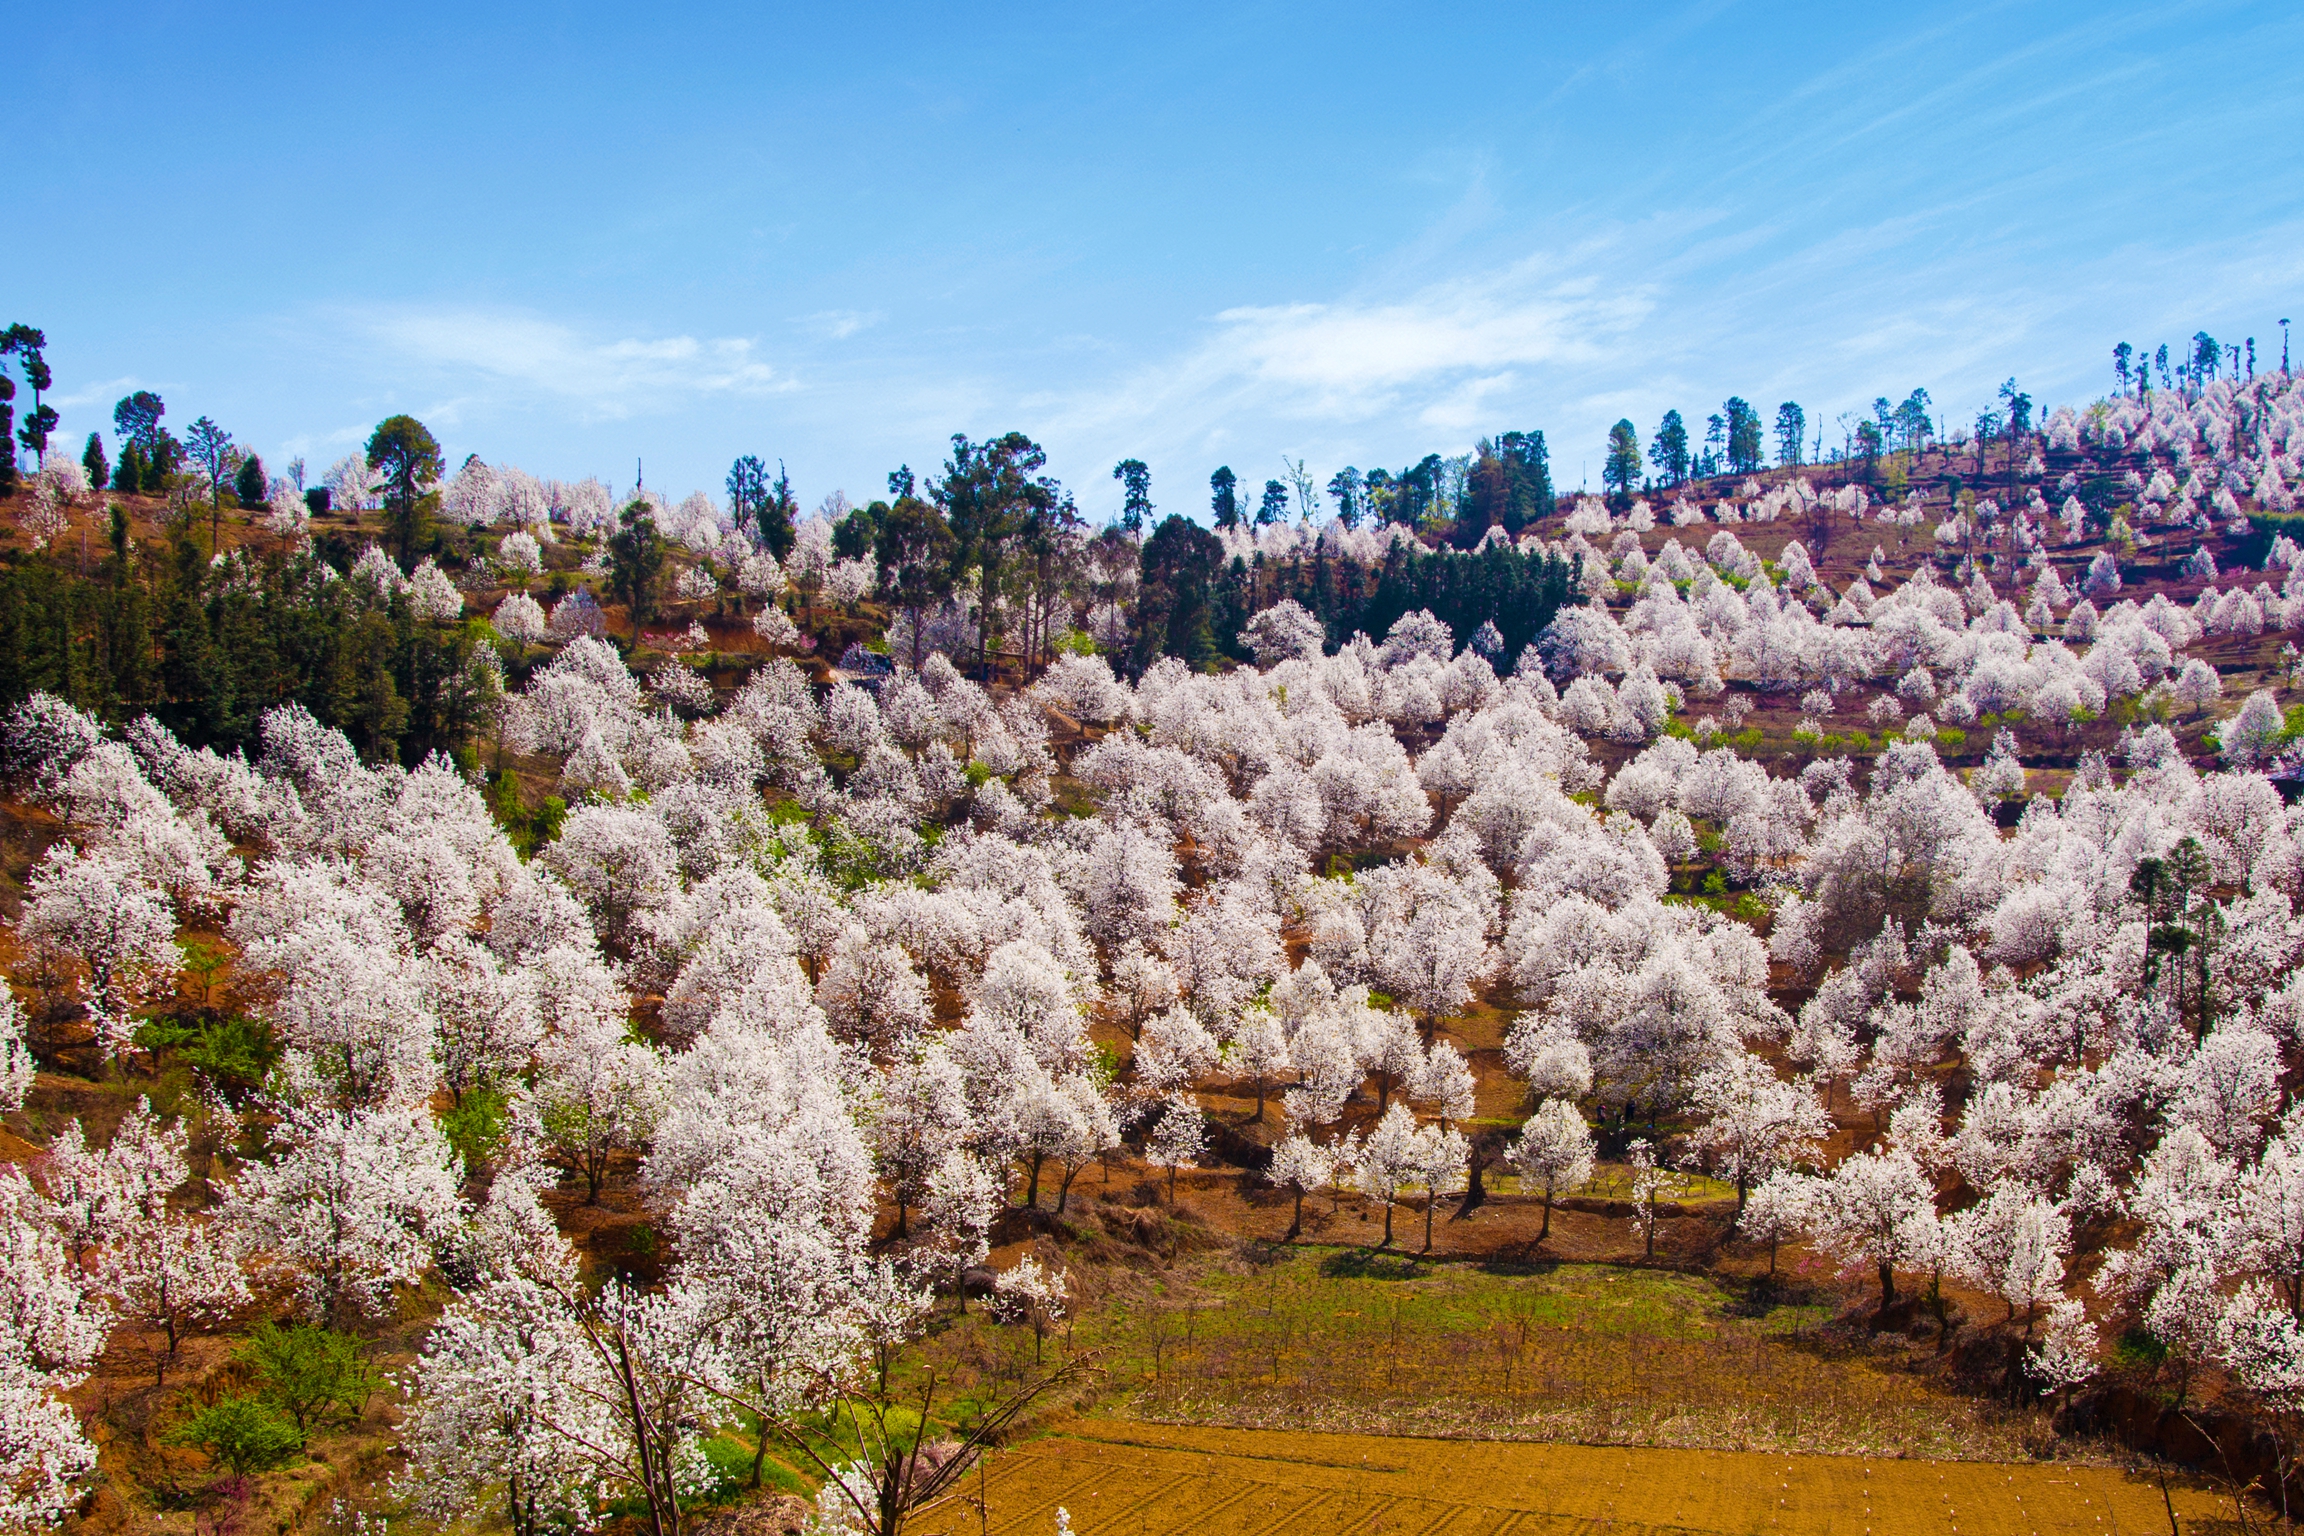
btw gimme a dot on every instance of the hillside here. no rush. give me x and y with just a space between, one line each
563 1023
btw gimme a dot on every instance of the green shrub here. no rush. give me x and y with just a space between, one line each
475 1127
232 1055
244 1433
2138 1348
309 1373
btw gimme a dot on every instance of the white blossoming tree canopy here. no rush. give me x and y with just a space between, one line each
678 956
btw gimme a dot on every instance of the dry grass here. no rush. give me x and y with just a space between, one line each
1150 1480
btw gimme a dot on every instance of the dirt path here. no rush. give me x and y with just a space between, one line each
1128 1479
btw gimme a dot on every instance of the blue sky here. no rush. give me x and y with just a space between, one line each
574 235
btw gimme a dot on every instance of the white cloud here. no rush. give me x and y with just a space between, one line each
611 379
100 392
840 324
1331 377
1356 358
1465 407
1433 355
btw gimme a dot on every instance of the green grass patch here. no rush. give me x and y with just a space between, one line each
1354 1339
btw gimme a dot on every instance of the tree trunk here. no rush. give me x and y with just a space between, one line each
1387 1225
1545 1230
1296 1225
661 1522
1475 1182
1887 1286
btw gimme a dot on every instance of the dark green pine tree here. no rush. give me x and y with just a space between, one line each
1224 497
1668 450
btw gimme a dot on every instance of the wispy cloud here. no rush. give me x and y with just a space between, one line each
840 324
99 392
1432 355
529 353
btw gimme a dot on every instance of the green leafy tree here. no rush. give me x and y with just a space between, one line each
1528 467
1175 606
780 515
1668 450
1987 428
763 509
166 457
406 454
1791 428
1487 491
1274 507
248 484
915 554
29 345
1508 485
636 554
144 443
1135 494
2185 925
1224 496
2207 358
93 462
137 418
854 536
1868 439
1743 436
1417 491
212 450
242 1433
2121 357
474 1126
2019 406
310 1374
1378 494
8 473
1911 422
994 498
1349 492
1620 470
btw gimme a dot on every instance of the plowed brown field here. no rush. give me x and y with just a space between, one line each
1129 1479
